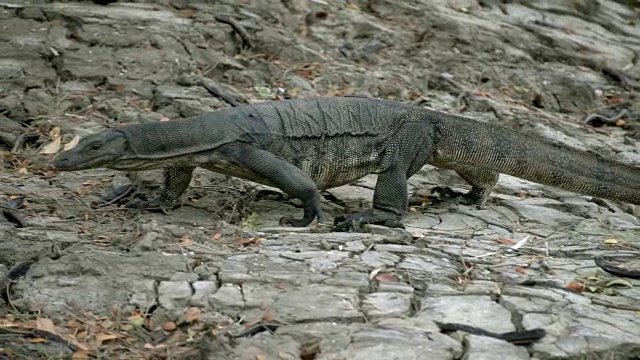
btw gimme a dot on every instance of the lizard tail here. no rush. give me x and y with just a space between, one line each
506 151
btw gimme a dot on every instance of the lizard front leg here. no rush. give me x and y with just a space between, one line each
273 170
176 181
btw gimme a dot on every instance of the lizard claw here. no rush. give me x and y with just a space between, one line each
468 198
289 220
310 213
344 223
157 204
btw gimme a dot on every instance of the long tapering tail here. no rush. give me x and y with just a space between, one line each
500 149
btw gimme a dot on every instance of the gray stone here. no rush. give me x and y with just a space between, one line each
184 276
317 303
394 248
228 299
459 222
174 294
262 295
354 246
386 304
304 89
542 215
479 311
396 235
395 287
427 267
202 291
349 279
486 348
376 259
93 281
147 242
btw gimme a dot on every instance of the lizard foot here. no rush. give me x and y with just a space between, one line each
355 221
310 213
157 204
289 220
470 197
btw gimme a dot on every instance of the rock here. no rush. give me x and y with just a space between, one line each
183 276
478 311
486 348
174 294
202 292
228 299
386 304
317 303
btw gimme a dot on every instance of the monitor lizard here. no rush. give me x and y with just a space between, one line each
302 146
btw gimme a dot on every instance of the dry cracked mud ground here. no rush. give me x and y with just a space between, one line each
218 279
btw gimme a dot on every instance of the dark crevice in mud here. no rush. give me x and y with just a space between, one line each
557 99
184 47
516 316
359 306
156 284
72 24
336 320
55 59
465 349
218 280
21 268
416 303
151 309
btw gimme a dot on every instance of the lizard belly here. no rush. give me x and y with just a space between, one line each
215 162
226 168
332 162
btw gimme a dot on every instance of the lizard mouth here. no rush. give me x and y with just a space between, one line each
65 161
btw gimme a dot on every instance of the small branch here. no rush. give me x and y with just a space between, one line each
226 19
618 76
116 195
21 269
10 212
599 120
605 263
216 91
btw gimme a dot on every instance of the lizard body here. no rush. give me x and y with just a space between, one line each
305 145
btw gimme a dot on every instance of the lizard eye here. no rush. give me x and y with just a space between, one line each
96 146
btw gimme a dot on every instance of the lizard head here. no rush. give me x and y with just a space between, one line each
97 150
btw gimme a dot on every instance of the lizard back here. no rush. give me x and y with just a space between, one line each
333 140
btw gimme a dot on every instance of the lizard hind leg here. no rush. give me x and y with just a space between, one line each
481 180
389 202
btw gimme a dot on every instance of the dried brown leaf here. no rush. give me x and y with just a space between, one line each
505 241
102 337
576 286
185 240
52 147
71 144
80 355
192 314
54 133
46 325
385 278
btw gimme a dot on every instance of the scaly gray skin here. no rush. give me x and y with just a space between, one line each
305 145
